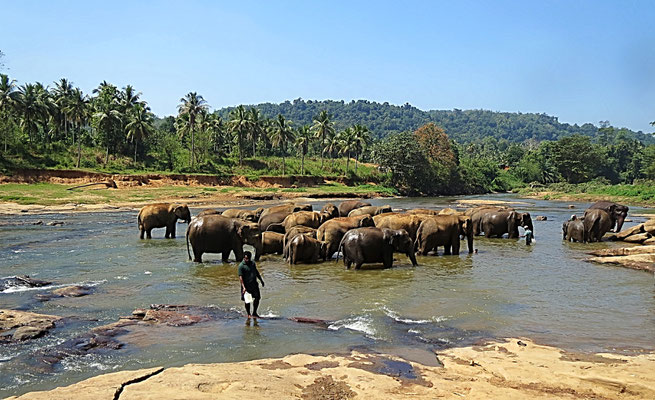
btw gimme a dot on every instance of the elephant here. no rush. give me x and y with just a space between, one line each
305 249
272 242
371 245
277 214
444 230
408 222
617 212
477 213
347 206
162 215
573 230
452 211
291 233
370 210
333 230
497 223
597 223
208 211
248 215
219 234
306 218
330 209
422 211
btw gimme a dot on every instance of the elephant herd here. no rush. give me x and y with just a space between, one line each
600 218
362 233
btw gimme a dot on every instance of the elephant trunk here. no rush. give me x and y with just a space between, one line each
469 241
279 228
187 243
619 222
259 247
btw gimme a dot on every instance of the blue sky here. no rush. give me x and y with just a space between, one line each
582 61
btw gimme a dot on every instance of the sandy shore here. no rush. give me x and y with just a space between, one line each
506 369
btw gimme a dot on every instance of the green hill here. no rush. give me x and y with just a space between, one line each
462 125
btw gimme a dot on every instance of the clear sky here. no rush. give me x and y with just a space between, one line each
582 61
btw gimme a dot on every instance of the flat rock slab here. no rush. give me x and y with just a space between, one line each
623 251
643 262
23 325
504 369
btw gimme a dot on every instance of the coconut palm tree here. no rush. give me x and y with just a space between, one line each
62 93
107 115
257 127
191 105
78 112
8 101
362 138
281 134
332 146
303 138
30 110
347 144
240 124
139 125
323 127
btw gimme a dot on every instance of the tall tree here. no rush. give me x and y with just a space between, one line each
78 112
30 110
107 115
62 94
332 146
361 138
139 125
323 127
282 133
303 138
240 124
347 144
191 105
8 101
256 127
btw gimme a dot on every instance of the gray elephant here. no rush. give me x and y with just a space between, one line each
372 245
305 249
162 215
331 210
333 230
573 230
444 230
291 233
272 242
277 214
306 218
477 213
597 223
370 210
219 234
209 211
497 223
345 207
248 215
617 212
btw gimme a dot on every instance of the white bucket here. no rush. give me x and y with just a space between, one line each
247 297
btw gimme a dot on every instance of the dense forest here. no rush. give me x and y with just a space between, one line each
416 152
463 126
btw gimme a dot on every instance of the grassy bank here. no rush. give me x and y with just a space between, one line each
57 194
641 193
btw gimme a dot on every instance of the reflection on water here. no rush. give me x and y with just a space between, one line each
545 291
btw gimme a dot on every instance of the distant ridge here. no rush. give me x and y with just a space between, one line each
462 125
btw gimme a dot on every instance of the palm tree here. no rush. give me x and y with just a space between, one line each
8 101
256 127
323 128
107 115
240 123
78 111
30 110
303 138
332 146
347 142
362 138
62 93
139 125
191 105
281 135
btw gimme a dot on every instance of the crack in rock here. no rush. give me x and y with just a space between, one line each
118 392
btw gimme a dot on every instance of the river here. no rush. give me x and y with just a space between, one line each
545 291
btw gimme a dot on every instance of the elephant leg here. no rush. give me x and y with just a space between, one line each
172 231
446 249
225 254
387 260
143 231
149 233
197 256
455 245
358 264
168 232
238 252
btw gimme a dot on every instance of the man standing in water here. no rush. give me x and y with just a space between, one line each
248 275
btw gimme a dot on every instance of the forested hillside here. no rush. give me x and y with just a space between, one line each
464 126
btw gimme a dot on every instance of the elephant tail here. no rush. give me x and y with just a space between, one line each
187 243
138 221
340 249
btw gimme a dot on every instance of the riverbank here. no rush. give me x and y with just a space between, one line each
504 369
637 194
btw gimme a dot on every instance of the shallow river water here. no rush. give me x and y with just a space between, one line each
546 292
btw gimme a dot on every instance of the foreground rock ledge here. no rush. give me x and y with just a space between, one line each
511 369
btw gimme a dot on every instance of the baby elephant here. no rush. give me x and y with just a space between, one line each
372 245
272 242
573 230
162 215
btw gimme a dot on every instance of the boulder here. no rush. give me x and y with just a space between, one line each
25 325
638 238
630 231
541 218
644 262
649 226
72 291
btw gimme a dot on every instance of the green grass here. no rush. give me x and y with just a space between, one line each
638 193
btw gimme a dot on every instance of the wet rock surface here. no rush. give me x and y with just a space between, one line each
68 291
22 325
21 281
